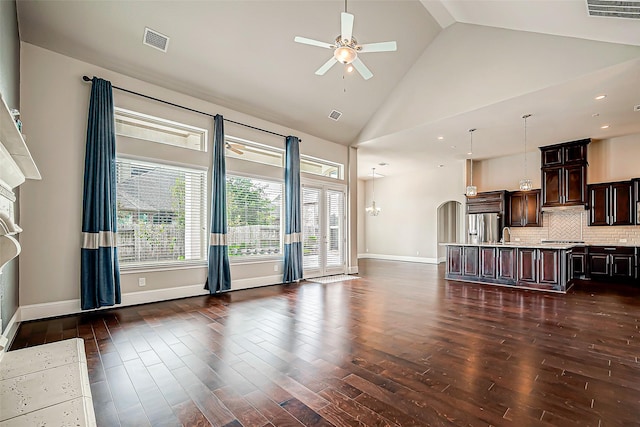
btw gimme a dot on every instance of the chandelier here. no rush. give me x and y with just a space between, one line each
525 183
373 210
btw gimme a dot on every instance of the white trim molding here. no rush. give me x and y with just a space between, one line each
9 332
421 260
62 308
353 269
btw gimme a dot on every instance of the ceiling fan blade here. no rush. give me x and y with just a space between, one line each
378 47
312 42
362 69
346 25
327 65
232 147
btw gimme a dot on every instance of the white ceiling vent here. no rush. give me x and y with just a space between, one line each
155 39
335 115
614 8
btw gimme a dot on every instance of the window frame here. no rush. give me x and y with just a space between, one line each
204 133
249 259
204 229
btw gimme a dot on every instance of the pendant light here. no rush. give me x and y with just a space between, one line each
525 183
373 210
472 190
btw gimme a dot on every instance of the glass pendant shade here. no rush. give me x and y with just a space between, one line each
345 54
526 185
373 210
472 191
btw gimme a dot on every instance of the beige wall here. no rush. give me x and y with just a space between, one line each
505 173
407 227
614 159
54 105
10 90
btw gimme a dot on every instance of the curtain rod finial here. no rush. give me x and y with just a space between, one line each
86 79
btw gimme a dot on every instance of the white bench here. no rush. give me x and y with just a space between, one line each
46 385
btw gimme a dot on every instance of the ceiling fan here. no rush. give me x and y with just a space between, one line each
236 148
346 47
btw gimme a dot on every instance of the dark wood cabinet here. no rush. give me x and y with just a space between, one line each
540 268
533 268
527 269
488 262
487 202
611 204
612 263
470 260
579 261
549 266
507 266
524 209
636 200
564 174
454 260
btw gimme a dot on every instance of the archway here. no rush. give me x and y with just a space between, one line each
449 226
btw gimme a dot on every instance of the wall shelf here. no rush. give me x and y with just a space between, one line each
16 163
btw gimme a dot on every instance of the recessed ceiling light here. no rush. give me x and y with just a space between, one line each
469 153
595 115
440 166
604 127
453 146
383 164
440 138
599 97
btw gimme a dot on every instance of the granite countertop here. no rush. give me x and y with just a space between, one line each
519 245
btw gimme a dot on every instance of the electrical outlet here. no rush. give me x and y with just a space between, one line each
418 253
623 240
517 239
142 281
275 267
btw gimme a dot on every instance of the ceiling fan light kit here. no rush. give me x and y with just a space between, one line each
346 48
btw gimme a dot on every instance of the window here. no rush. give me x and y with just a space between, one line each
254 217
249 151
321 167
149 128
161 213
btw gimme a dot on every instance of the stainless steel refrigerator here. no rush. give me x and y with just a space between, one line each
483 228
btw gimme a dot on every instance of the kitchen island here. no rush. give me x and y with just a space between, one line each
544 267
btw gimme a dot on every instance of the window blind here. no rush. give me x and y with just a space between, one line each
254 217
161 213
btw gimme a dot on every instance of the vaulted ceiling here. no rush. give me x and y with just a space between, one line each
459 64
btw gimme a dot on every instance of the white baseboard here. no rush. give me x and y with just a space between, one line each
422 260
255 282
9 332
442 259
353 269
62 308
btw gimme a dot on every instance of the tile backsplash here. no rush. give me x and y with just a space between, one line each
573 225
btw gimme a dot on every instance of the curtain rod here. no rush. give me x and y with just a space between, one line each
88 79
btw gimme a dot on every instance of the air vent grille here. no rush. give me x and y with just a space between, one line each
155 39
614 8
335 115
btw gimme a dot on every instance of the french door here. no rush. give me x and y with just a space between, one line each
323 230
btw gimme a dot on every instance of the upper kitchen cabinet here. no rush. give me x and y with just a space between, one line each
611 203
564 174
487 202
524 209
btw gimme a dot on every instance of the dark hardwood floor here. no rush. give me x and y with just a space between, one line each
400 346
